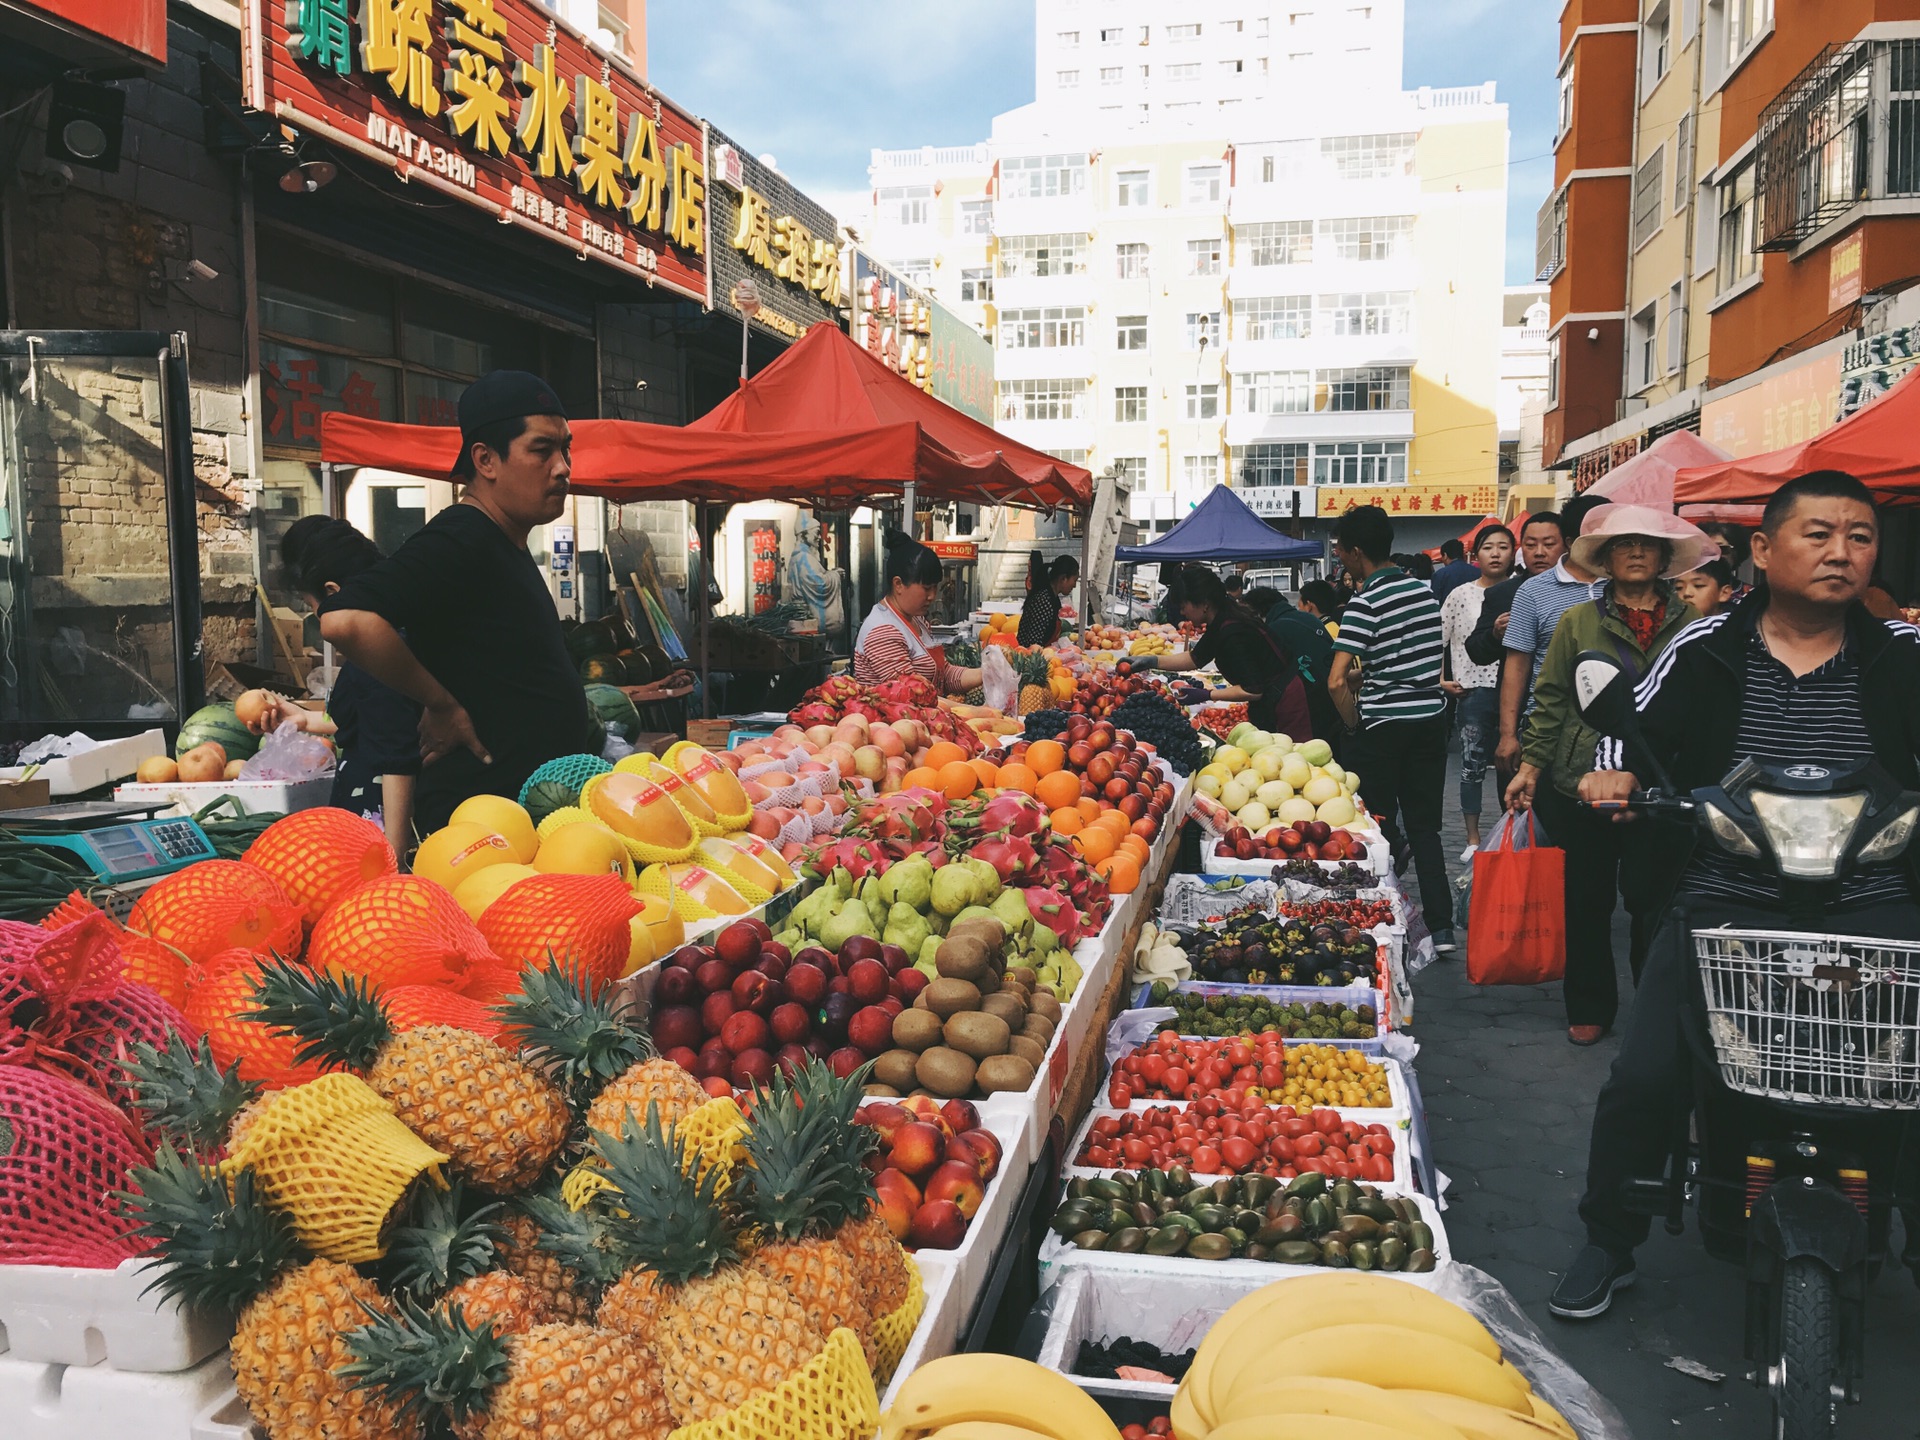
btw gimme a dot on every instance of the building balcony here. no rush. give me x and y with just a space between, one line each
1046 215
1244 429
1043 363
1015 292
1048 434
1318 352
930 160
1322 193
1324 277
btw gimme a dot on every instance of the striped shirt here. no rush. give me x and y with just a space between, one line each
882 652
1537 607
1392 627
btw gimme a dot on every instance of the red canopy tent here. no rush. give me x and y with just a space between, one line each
1466 538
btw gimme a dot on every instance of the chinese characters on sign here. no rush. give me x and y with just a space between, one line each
1471 501
1846 265
497 102
1871 367
785 246
1781 410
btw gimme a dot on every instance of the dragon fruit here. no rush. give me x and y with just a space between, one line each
1054 910
1008 856
1012 813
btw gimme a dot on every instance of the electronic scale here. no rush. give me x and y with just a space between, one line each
110 841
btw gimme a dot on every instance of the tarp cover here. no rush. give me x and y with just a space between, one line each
1647 479
1221 527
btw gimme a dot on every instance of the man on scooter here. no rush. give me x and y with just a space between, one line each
1797 670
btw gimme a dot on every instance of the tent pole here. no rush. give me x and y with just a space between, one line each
706 608
1086 572
906 516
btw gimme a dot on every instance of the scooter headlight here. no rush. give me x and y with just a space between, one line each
1727 831
1892 840
1808 833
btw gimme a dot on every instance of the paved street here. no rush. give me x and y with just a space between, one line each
1510 1103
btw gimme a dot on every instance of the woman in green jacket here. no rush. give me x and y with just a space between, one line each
1636 617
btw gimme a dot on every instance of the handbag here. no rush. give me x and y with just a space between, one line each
1517 925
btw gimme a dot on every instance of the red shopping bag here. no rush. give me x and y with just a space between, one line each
1517 926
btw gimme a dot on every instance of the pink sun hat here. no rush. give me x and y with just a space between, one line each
1692 547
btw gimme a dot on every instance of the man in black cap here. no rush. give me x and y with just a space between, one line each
459 617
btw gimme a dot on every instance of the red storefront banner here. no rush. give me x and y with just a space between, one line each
139 25
498 104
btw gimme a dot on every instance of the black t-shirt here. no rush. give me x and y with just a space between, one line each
378 731
1247 657
477 614
1040 615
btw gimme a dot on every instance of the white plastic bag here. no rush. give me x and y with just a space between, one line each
999 681
289 753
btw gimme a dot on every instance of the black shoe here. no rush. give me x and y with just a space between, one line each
1443 943
1586 1290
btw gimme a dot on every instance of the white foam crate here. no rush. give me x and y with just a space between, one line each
1402 1181
106 762
97 1402
1171 1314
973 1260
938 1333
1058 1258
250 797
62 1315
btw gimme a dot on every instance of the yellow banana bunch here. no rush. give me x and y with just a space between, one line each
992 1397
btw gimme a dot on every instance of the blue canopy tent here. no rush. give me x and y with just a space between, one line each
1221 527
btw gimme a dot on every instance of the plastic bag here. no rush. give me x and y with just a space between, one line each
289 753
1518 921
999 681
1535 834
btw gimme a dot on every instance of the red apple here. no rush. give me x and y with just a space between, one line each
917 1149
844 1061
762 931
894 958
718 1086
715 1009
714 1060
772 952
958 1181
892 1005
884 1118
838 986
738 944
859 947
683 1057
987 1150
677 1026
744 1031
960 1115
792 1059
867 981
691 957
806 984
790 1023
937 1225
925 1107
750 1068
714 976
899 1197
677 987
818 956
773 967
911 983
754 991
870 1030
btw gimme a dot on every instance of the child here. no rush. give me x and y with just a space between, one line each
1709 589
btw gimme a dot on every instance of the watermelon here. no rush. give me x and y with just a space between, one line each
614 710
595 637
218 723
603 670
543 797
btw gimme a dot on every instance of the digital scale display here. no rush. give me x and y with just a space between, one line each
129 850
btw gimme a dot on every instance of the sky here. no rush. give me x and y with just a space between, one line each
818 86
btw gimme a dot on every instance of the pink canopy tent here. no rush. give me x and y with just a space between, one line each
1648 478
1467 536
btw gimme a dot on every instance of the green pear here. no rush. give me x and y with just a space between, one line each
850 920
955 887
1011 911
905 928
988 876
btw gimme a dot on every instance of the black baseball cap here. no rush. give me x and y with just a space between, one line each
496 396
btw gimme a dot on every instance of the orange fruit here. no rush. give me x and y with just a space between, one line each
1115 822
1095 843
943 753
926 778
958 779
1133 845
988 772
1018 777
1066 821
1120 872
1057 789
1088 807
1047 756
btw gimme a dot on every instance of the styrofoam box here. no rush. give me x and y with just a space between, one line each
1288 995
108 761
1401 1183
253 797
1058 1258
60 1315
938 1333
97 1402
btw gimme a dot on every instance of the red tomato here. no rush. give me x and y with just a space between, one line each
1380 1144
1177 1080
1272 1076
1238 1153
1206 1160
1255 1130
1280 1148
1376 1167
1153 1069
1231 1125
1106 1125
1296 1127
1135 1149
1344 1169
1238 1054
1327 1122
1308 1144
1119 1096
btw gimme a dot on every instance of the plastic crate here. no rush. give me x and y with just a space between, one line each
61 1315
938 1333
973 1259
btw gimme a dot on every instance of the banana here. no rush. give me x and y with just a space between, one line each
1335 1297
1477 1421
985 1430
1547 1415
1508 1366
996 1388
1187 1424
1396 1358
1319 1395
1303 1427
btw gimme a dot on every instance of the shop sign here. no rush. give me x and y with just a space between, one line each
1846 262
139 25
1280 502
960 364
769 231
955 552
1869 367
498 104
1473 500
1592 467
892 320
1783 409
782 245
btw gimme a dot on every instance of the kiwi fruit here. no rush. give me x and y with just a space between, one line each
1045 1002
1039 1028
1007 1005
1025 974
976 1033
874 1090
1028 1049
962 958
989 930
1003 1073
947 1073
895 1071
947 996
916 1030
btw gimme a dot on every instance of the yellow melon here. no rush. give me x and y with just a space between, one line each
642 953
716 782
505 819
451 856
669 930
684 794
633 806
479 891
584 848
733 862
703 885
766 854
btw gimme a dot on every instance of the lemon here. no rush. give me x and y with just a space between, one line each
452 855
500 815
479 891
584 848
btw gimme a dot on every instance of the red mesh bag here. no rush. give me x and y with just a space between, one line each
581 921
45 976
75 907
219 905
491 982
63 1152
399 930
411 1006
145 961
219 995
321 856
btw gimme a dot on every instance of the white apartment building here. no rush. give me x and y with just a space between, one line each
1284 273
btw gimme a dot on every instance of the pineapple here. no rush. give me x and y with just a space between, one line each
651 1085
722 1331
566 1255
591 1052
803 1180
878 1258
223 1251
442 1253
501 1120
555 1382
187 1096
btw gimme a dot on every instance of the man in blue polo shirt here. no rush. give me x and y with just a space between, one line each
1537 607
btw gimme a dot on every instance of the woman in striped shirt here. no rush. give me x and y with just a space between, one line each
894 641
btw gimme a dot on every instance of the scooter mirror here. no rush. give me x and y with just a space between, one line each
1602 693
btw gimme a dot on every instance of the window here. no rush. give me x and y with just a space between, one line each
906 204
1068 38
1274 317
1232 67
976 287
1563 112
1130 261
1266 169
1182 34
1112 35
1735 240
1130 471
1067 79
1369 157
1200 472
1130 332
1172 105
1361 462
1203 402
1204 183
1235 27
1376 387
1203 256
1072 457
1203 328
1747 21
1113 74
1649 190
1656 43
1360 12
1682 161
1043 177
1550 237
1553 371
1286 463
1273 392
1146 34
1053 328
1130 188
1374 237
1130 404
976 217
1375 312
1043 255
1903 118
1640 355
1260 28
1043 399
1676 328
1183 74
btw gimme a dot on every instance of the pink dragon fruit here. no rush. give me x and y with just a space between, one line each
1012 813
1054 910
1008 856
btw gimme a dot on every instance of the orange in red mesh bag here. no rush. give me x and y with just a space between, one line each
219 997
321 856
581 921
411 1006
399 930
63 1152
219 905
143 960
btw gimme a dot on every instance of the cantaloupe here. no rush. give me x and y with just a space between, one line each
737 865
475 893
633 806
640 953
593 850
669 930
719 785
684 794
452 855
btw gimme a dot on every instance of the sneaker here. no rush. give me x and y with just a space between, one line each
1586 1034
1587 1288
1443 942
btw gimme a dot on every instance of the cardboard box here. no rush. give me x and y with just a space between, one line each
23 794
709 734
